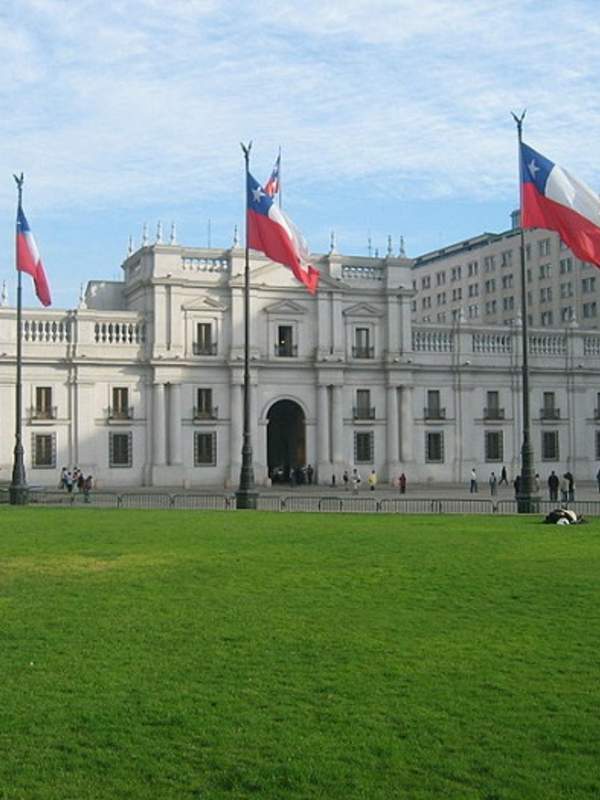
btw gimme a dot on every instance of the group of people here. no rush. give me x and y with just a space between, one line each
352 480
76 479
494 481
565 484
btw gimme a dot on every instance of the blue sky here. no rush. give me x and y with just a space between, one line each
393 117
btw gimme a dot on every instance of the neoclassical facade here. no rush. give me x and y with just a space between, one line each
142 384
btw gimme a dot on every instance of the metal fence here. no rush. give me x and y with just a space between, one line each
350 503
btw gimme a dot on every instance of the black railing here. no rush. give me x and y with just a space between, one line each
212 412
363 412
286 350
361 351
120 414
549 413
204 348
48 412
493 413
430 412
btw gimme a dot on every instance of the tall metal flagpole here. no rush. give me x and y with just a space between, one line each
246 495
18 491
527 503
280 184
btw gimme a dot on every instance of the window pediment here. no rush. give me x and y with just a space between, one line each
362 310
285 307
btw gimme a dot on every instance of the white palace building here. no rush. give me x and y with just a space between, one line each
142 384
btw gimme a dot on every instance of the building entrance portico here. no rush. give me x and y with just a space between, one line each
286 439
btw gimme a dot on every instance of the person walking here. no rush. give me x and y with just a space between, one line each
346 480
355 481
503 477
564 489
517 485
493 484
598 479
372 480
402 483
309 474
87 488
473 487
553 483
537 483
571 486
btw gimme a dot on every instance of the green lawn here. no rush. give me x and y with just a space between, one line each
231 655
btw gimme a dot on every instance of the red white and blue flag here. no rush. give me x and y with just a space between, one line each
28 258
551 198
272 185
271 232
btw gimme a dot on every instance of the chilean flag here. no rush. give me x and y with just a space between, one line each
271 232
28 259
272 185
551 198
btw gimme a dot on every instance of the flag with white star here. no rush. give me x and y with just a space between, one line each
271 232
553 199
28 258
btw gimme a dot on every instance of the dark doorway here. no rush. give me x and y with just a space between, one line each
286 439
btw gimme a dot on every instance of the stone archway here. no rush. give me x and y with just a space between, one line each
286 439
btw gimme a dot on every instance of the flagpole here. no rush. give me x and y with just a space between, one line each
527 503
19 491
246 495
280 184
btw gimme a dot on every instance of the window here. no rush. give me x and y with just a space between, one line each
441 317
426 282
597 445
285 347
204 345
489 263
433 409
457 293
426 302
529 276
455 273
434 447
120 403
550 446
43 451
362 345
588 285
546 294
508 304
492 409
440 278
589 310
205 449
567 314
545 271
490 307
413 306
546 319
414 286
507 281
490 286
473 312
363 447
506 258
363 409
120 450
549 409
473 290
43 403
566 265
204 405
544 247
456 314
566 289
441 299
472 268
494 446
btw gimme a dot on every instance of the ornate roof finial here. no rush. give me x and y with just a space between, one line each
82 303
402 251
332 243
145 235
173 236
159 232
4 295
376 252
369 246
236 237
390 251
130 245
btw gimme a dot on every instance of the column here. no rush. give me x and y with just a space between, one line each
407 426
256 450
392 431
338 426
324 436
393 325
337 323
158 425
235 433
175 424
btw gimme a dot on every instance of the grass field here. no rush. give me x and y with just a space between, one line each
204 655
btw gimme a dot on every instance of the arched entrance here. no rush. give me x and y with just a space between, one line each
286 439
